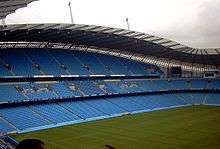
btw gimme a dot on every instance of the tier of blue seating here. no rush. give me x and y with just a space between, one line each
68 89
26 117
63 62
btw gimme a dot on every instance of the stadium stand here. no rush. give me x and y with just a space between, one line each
37 104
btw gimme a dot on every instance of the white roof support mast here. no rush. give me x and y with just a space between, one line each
71 13
128 25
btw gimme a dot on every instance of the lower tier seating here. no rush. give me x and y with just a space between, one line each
24 118
212 99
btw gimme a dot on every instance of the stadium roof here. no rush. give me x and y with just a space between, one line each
10 6
109 38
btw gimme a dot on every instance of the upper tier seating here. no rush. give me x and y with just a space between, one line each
20 63
46 63
69 62
112 64
91 62
30 62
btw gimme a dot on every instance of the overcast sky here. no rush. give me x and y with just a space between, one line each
195 23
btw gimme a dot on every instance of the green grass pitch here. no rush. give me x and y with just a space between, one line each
196 127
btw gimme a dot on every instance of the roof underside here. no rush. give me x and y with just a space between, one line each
10 6
110 38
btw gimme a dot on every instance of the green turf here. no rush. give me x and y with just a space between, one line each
195 127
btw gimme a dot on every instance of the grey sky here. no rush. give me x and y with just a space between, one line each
195 23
